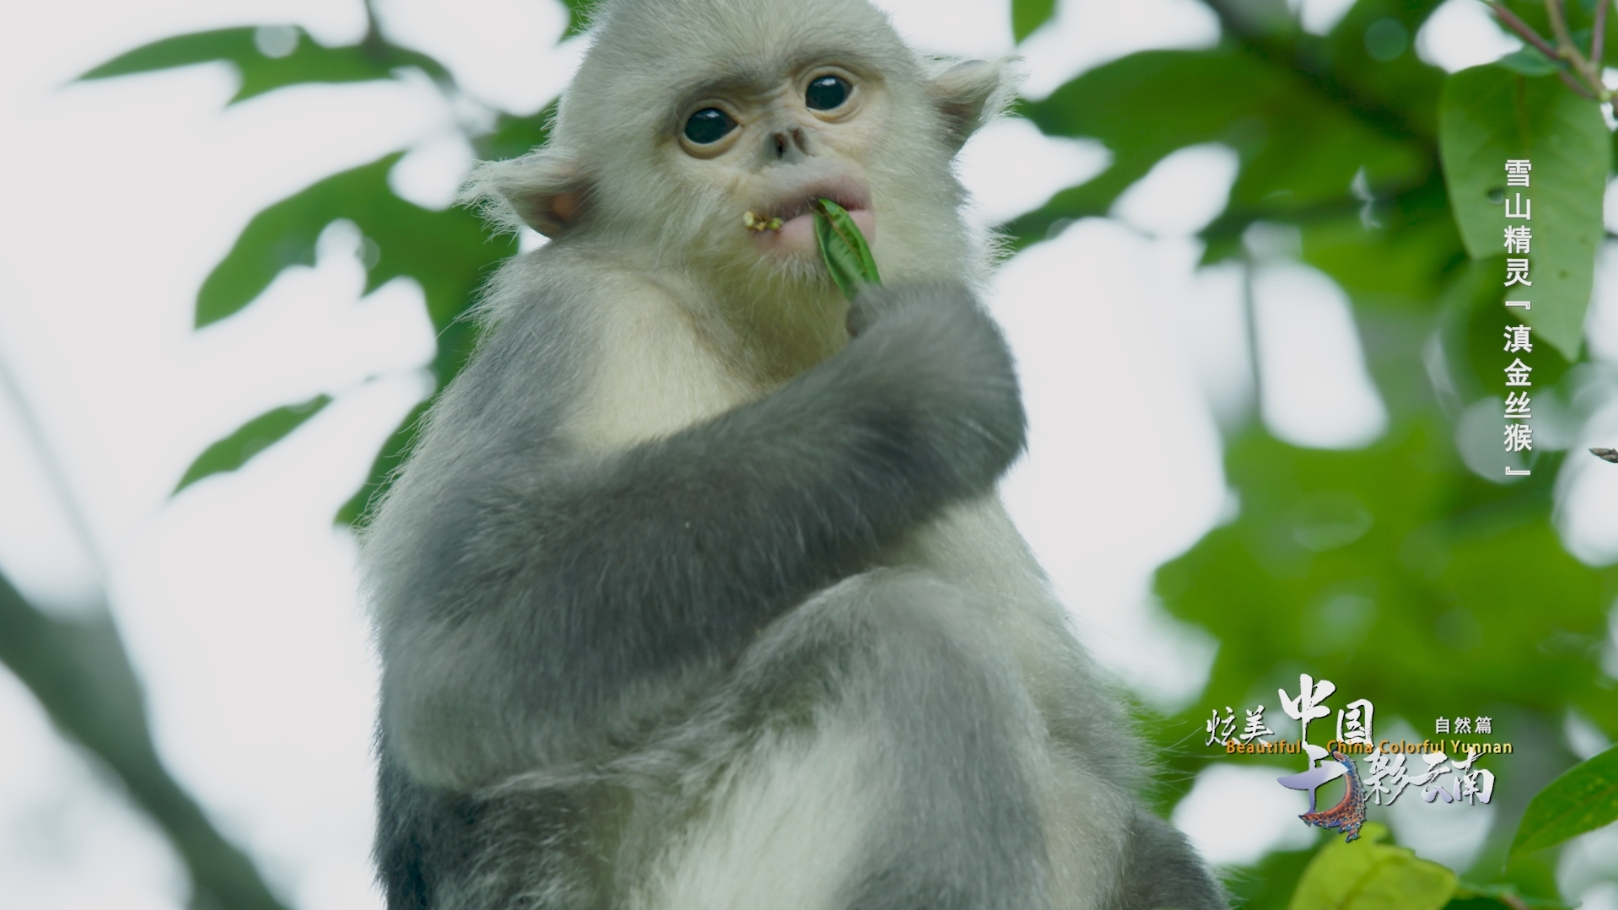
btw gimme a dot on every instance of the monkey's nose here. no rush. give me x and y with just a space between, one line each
789 143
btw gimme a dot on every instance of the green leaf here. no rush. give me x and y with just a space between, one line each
1489 114
1367 875
1029 15
284 235
843 248
1583 799
307 61
1529 61
1194 96
1298 148
253 437
447 252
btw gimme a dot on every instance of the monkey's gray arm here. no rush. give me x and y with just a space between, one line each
585 583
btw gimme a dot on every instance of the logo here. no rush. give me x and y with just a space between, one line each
1386 774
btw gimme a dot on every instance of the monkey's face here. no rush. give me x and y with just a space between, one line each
772 148
687 116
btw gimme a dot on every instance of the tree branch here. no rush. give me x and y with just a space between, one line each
1565 51
55 476
1573 84
1570 50
1598 35
1523 30
80 673
1564 38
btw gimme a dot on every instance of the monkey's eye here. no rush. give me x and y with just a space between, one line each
708 125
827 93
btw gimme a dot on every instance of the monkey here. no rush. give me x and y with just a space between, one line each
695 590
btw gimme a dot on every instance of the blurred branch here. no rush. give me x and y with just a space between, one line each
61 488
1598 34
80 673
1522 29
1236 219
1564 37
1250 321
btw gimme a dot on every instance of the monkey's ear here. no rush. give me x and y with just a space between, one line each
971 93
544 189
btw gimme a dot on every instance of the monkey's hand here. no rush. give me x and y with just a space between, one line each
875 300
932 351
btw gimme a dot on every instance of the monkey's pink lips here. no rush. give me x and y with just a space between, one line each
797 232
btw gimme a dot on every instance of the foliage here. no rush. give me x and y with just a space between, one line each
1368 875
1394 570
78 670
270 58
250 438
1583 799
1028 15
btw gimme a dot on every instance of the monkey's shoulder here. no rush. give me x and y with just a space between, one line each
575 348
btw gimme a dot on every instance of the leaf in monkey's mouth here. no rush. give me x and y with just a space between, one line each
843 248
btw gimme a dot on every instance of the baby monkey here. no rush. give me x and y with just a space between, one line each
696 591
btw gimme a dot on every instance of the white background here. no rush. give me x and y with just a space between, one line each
236 597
